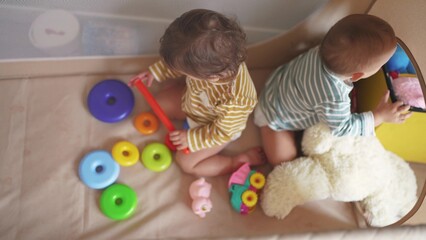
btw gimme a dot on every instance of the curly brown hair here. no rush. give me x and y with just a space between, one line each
354 42
204 44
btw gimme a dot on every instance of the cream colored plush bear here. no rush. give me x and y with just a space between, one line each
344 169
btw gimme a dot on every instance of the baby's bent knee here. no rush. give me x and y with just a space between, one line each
277 160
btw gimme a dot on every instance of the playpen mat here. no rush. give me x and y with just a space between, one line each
46 129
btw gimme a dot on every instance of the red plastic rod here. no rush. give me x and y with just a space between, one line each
154 105
157 110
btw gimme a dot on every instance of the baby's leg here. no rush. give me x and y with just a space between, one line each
209 163
170 99
278 146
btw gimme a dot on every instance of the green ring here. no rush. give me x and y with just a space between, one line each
118 201
153 150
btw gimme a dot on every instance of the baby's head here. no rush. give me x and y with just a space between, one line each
357 46
204 44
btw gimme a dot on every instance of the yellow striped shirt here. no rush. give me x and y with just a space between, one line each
221 108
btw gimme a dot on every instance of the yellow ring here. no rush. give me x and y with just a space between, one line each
125 153
257 180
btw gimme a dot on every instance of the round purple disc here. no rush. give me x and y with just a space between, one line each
110 101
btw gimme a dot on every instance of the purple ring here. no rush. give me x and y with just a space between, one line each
110 101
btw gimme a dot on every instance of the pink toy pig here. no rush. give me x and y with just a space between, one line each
200 194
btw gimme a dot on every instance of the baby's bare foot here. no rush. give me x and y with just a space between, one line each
254 156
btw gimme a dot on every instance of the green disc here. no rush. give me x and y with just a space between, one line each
156 157
118 201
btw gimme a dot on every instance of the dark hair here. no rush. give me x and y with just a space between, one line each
354 42
204 43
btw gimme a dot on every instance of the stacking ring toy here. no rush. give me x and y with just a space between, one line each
158 111
125 153
156 157
98 170
118 201
110 101
146 123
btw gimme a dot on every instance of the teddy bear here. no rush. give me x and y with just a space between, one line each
347 169
199 191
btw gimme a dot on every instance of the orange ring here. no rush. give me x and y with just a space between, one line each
146 123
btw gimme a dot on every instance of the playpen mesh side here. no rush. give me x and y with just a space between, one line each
79 28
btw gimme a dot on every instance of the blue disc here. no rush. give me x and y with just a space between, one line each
110 101
98 169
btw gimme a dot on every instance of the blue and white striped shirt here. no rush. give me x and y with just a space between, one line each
303 93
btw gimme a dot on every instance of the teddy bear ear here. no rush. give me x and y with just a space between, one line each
317 140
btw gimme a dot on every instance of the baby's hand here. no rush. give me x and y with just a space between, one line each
385 111
146 77
179 139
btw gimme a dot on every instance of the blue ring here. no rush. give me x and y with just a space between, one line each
98 169
110 101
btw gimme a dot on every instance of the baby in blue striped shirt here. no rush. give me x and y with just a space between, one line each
314 87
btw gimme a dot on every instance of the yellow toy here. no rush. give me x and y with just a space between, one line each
408 140
125 153
244 185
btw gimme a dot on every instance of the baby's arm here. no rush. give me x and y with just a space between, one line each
146 77
385 111
338 116
161 72
158 71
